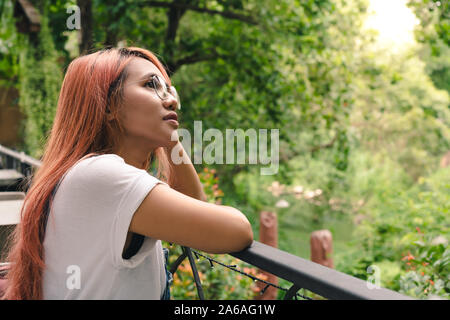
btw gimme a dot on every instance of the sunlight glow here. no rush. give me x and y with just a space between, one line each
394 22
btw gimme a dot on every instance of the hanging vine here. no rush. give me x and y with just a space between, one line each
40 79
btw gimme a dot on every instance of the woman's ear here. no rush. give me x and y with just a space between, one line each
109 115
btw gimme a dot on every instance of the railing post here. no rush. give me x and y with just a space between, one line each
322 248
268 234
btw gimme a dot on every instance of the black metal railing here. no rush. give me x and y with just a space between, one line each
19 161
301 273
314 277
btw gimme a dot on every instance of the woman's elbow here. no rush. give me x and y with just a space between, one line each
240 238
249 235
245 238
238 234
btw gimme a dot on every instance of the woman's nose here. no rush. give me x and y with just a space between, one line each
170 103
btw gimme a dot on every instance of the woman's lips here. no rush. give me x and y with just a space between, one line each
171 115
173 121
172 118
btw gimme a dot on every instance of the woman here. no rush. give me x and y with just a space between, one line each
93 218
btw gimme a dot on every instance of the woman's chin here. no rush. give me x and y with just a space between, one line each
169 143
173 138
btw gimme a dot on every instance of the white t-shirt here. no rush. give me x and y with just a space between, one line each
86 232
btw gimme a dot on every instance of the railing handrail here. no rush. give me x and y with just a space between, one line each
21 156
324 281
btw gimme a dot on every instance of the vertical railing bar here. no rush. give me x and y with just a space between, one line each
195 273
291 292
179 260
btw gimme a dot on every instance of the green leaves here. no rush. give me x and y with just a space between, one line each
40 78
412 228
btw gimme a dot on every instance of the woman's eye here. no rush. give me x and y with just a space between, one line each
150 84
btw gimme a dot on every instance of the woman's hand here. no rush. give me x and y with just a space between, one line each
186 178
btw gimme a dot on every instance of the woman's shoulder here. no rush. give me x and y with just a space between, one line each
105 170
98 162
94 157
91 167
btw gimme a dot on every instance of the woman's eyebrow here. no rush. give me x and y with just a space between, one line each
148 75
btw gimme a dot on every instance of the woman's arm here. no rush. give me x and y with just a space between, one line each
171 216
186 178
180 214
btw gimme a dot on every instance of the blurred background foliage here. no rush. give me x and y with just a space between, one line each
363 128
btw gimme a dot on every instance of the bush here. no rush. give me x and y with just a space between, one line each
410 230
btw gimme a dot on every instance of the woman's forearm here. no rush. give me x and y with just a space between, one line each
186 179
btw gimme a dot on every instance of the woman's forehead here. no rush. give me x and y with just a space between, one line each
140 68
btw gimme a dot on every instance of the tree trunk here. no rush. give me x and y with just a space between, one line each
87 42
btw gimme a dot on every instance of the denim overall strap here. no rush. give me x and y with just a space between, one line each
169 278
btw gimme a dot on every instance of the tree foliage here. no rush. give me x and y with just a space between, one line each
434 33
361 129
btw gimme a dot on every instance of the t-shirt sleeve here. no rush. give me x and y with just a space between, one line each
120 189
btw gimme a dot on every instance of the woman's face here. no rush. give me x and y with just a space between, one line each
143 111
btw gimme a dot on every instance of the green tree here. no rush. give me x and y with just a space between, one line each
434 33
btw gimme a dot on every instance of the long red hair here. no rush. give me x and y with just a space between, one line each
92 88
